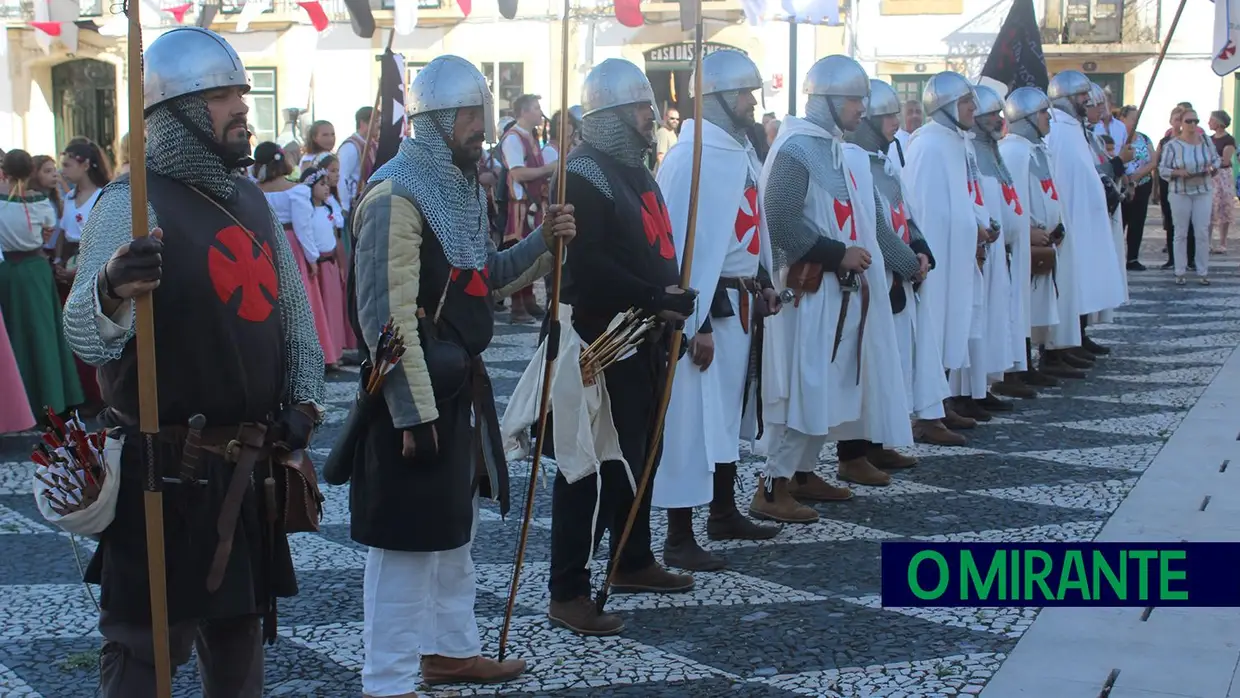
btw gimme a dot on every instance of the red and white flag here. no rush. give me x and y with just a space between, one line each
1226 36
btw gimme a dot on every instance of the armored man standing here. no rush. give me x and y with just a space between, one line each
235 343
424 258
623 259
717 380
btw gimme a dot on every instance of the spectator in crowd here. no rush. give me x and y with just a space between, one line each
668 134
46 181
320 138
1109 125
1140 186
1224 178
1188 163
528 180
911 118
1164 203
1108 143
122 158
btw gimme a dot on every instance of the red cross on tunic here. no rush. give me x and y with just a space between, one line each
478 285
843 212
975 190
1010 198
899 221
1048 187
747 220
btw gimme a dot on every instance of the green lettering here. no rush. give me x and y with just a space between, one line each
1072 576
1014 577
1037 577
1102 568
944 575
1167 575
970 576
1143 558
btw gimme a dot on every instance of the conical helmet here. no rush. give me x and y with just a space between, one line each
726 71
615 83
988 100
883 100
187 60
837 76
451 82
943 90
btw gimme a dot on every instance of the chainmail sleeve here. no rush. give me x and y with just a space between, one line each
898 257
783 205
93 337
303 356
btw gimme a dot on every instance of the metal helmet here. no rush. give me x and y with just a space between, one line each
883 100
188 60
988 100
1025 103
615 83
726 71
944 90
837 76
1068 83
1097 95
575 113
451 82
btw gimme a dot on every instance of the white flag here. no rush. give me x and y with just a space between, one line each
755 11
250 11
1226 36
813 11
405 16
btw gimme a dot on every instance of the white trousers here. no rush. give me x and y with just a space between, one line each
791 452
971 380
1194 210
416 604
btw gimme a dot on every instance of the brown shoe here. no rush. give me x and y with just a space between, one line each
1053 365
990 403
437 669
815 489
1013 386
778 505
933 431
1039 379
861 471
726 522
889 459
954 420
581 616
968 407
1076 359
681 549
652 579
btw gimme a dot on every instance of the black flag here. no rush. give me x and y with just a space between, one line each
508 8
1016 58
392 107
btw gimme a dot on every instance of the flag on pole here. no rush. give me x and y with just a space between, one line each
391 107
1226 36
179 11
1016 59
318 16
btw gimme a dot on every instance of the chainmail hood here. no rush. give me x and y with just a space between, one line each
716 110
1026 128
1074 109
869 136
612 131
820 110
989 162
452 202
174 151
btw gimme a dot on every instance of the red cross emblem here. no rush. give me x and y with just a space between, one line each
1228 51
78 218
899 221
975 190
657 225
843 212
1010 198
331 217
478 285
1048 187
237 266
747 220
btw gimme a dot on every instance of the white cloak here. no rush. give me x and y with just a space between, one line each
936 183
997 290
1015 224
1099 284
1037 304
704 420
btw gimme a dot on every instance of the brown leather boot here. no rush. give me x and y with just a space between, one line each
437 669
778 505
861 471
990 403
1013 386
681 549
1076 358
652 579
968 407
1053 365
954 420
889 458
934 431
1038 378
809 486
581 616
726 522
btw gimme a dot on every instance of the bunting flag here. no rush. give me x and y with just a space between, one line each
508 8
392 107
250 11
1016 58
466 6
49 28
755 12
318 17
1226 36
404 16
629 13
178 12
812 11
362 19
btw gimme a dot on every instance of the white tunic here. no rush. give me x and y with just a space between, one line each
997 288
1039 303
75 216
704 416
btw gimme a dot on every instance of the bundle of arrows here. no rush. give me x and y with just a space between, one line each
615 344
70 463
388 353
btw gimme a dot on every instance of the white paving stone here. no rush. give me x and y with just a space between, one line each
1180 376
1102 496
1228 339
1072 532
16 477
13 523
1009 622
1160 424
312 551
1135 457
1206 356
898 488
1168 397
12 685
38 611
948 676
335 504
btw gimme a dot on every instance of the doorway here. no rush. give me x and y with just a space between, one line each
84 103
670 70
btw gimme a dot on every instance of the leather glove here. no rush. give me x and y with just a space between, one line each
294 428
681 303
134 265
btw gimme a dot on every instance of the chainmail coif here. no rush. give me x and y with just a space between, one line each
452 202
818 111
173 151
1027 129
989 162
715 111
869 136
609 131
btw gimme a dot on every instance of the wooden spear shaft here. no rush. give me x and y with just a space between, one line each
686 270
1145 98
148 393
552 342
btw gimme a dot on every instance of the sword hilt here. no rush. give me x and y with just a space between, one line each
192 452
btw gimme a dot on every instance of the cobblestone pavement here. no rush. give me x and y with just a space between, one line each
798 615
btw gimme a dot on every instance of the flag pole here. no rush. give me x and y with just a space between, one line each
371 139
552 341
673 356
1158 65
148 393
792 65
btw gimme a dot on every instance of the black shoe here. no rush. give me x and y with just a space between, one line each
1192 267
1093 347
1168 265
1134 265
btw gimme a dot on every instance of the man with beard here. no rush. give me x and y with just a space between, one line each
818 211
909 260
623 259
235 344
945 197
713 385
1051 272
424 259
1085 208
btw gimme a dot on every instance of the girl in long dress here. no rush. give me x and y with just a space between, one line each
327 274
320 138
330 164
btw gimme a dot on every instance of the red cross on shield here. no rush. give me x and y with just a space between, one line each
747 221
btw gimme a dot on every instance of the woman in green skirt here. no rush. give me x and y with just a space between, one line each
28 298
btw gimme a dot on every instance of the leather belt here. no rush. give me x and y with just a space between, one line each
244 451
852 282
745 285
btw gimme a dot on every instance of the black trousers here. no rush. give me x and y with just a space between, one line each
1134 213
1164 204
632 385
848 450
